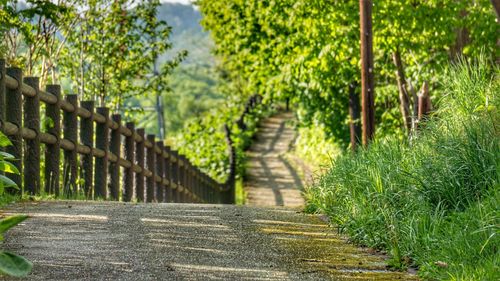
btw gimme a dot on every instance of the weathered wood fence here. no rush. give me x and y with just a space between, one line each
95 146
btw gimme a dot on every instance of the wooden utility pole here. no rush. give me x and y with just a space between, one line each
367 81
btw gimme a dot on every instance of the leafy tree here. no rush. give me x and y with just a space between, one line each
28 31
116 43
308 50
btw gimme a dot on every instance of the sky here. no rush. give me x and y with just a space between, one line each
178 1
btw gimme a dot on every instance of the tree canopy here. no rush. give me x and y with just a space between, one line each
308 50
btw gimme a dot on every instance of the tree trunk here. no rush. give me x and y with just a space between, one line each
461 40
367 71
424 102
403 91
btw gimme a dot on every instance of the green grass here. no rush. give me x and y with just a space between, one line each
432 202
240 192
7 198
313 146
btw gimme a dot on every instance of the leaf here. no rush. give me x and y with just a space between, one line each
8 167
6 155
4 141
9 222
8 182
14 265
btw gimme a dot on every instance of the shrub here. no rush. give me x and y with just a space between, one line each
431 202
10 264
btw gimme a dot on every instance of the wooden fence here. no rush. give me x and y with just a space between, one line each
95 147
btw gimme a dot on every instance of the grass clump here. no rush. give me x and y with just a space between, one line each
431 202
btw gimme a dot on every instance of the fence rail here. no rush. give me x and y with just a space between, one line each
96 146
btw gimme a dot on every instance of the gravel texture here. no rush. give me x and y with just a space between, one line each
77 240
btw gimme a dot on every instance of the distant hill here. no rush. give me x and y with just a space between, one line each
187 33
194 83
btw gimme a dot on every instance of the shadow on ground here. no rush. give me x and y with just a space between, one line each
124 241
270 179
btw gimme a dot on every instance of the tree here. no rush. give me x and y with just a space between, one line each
116 43
308 50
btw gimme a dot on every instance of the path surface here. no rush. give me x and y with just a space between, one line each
126 241
271 180
76 240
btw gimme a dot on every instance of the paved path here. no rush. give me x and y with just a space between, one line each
271 180
76 240
126 241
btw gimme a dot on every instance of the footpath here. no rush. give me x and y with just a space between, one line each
268 239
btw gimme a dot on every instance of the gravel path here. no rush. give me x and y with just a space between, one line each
77 240
270 179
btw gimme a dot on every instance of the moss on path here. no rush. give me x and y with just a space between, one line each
125 241
78 240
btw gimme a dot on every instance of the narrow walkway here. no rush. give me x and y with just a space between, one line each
78 240
127 241
270 179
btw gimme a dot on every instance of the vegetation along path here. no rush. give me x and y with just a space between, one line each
76 240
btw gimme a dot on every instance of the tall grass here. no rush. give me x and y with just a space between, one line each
432 202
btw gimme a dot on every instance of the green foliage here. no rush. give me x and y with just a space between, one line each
309 50
10 264
313 146
433 200
14 265
193 91
6 166
9 222
203 140
116 45
192 86
104 50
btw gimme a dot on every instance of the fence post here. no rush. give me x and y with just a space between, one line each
52 151
87 139
139 156
32 151
128 173
229 194
150 162
101 163
187 180
175 175
208 188
205 189
14 115
182 166
70 121
114 167
160 187
197 183
168 175
2 92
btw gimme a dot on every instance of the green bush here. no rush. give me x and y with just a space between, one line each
203 140
10 264
431 202
313 146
